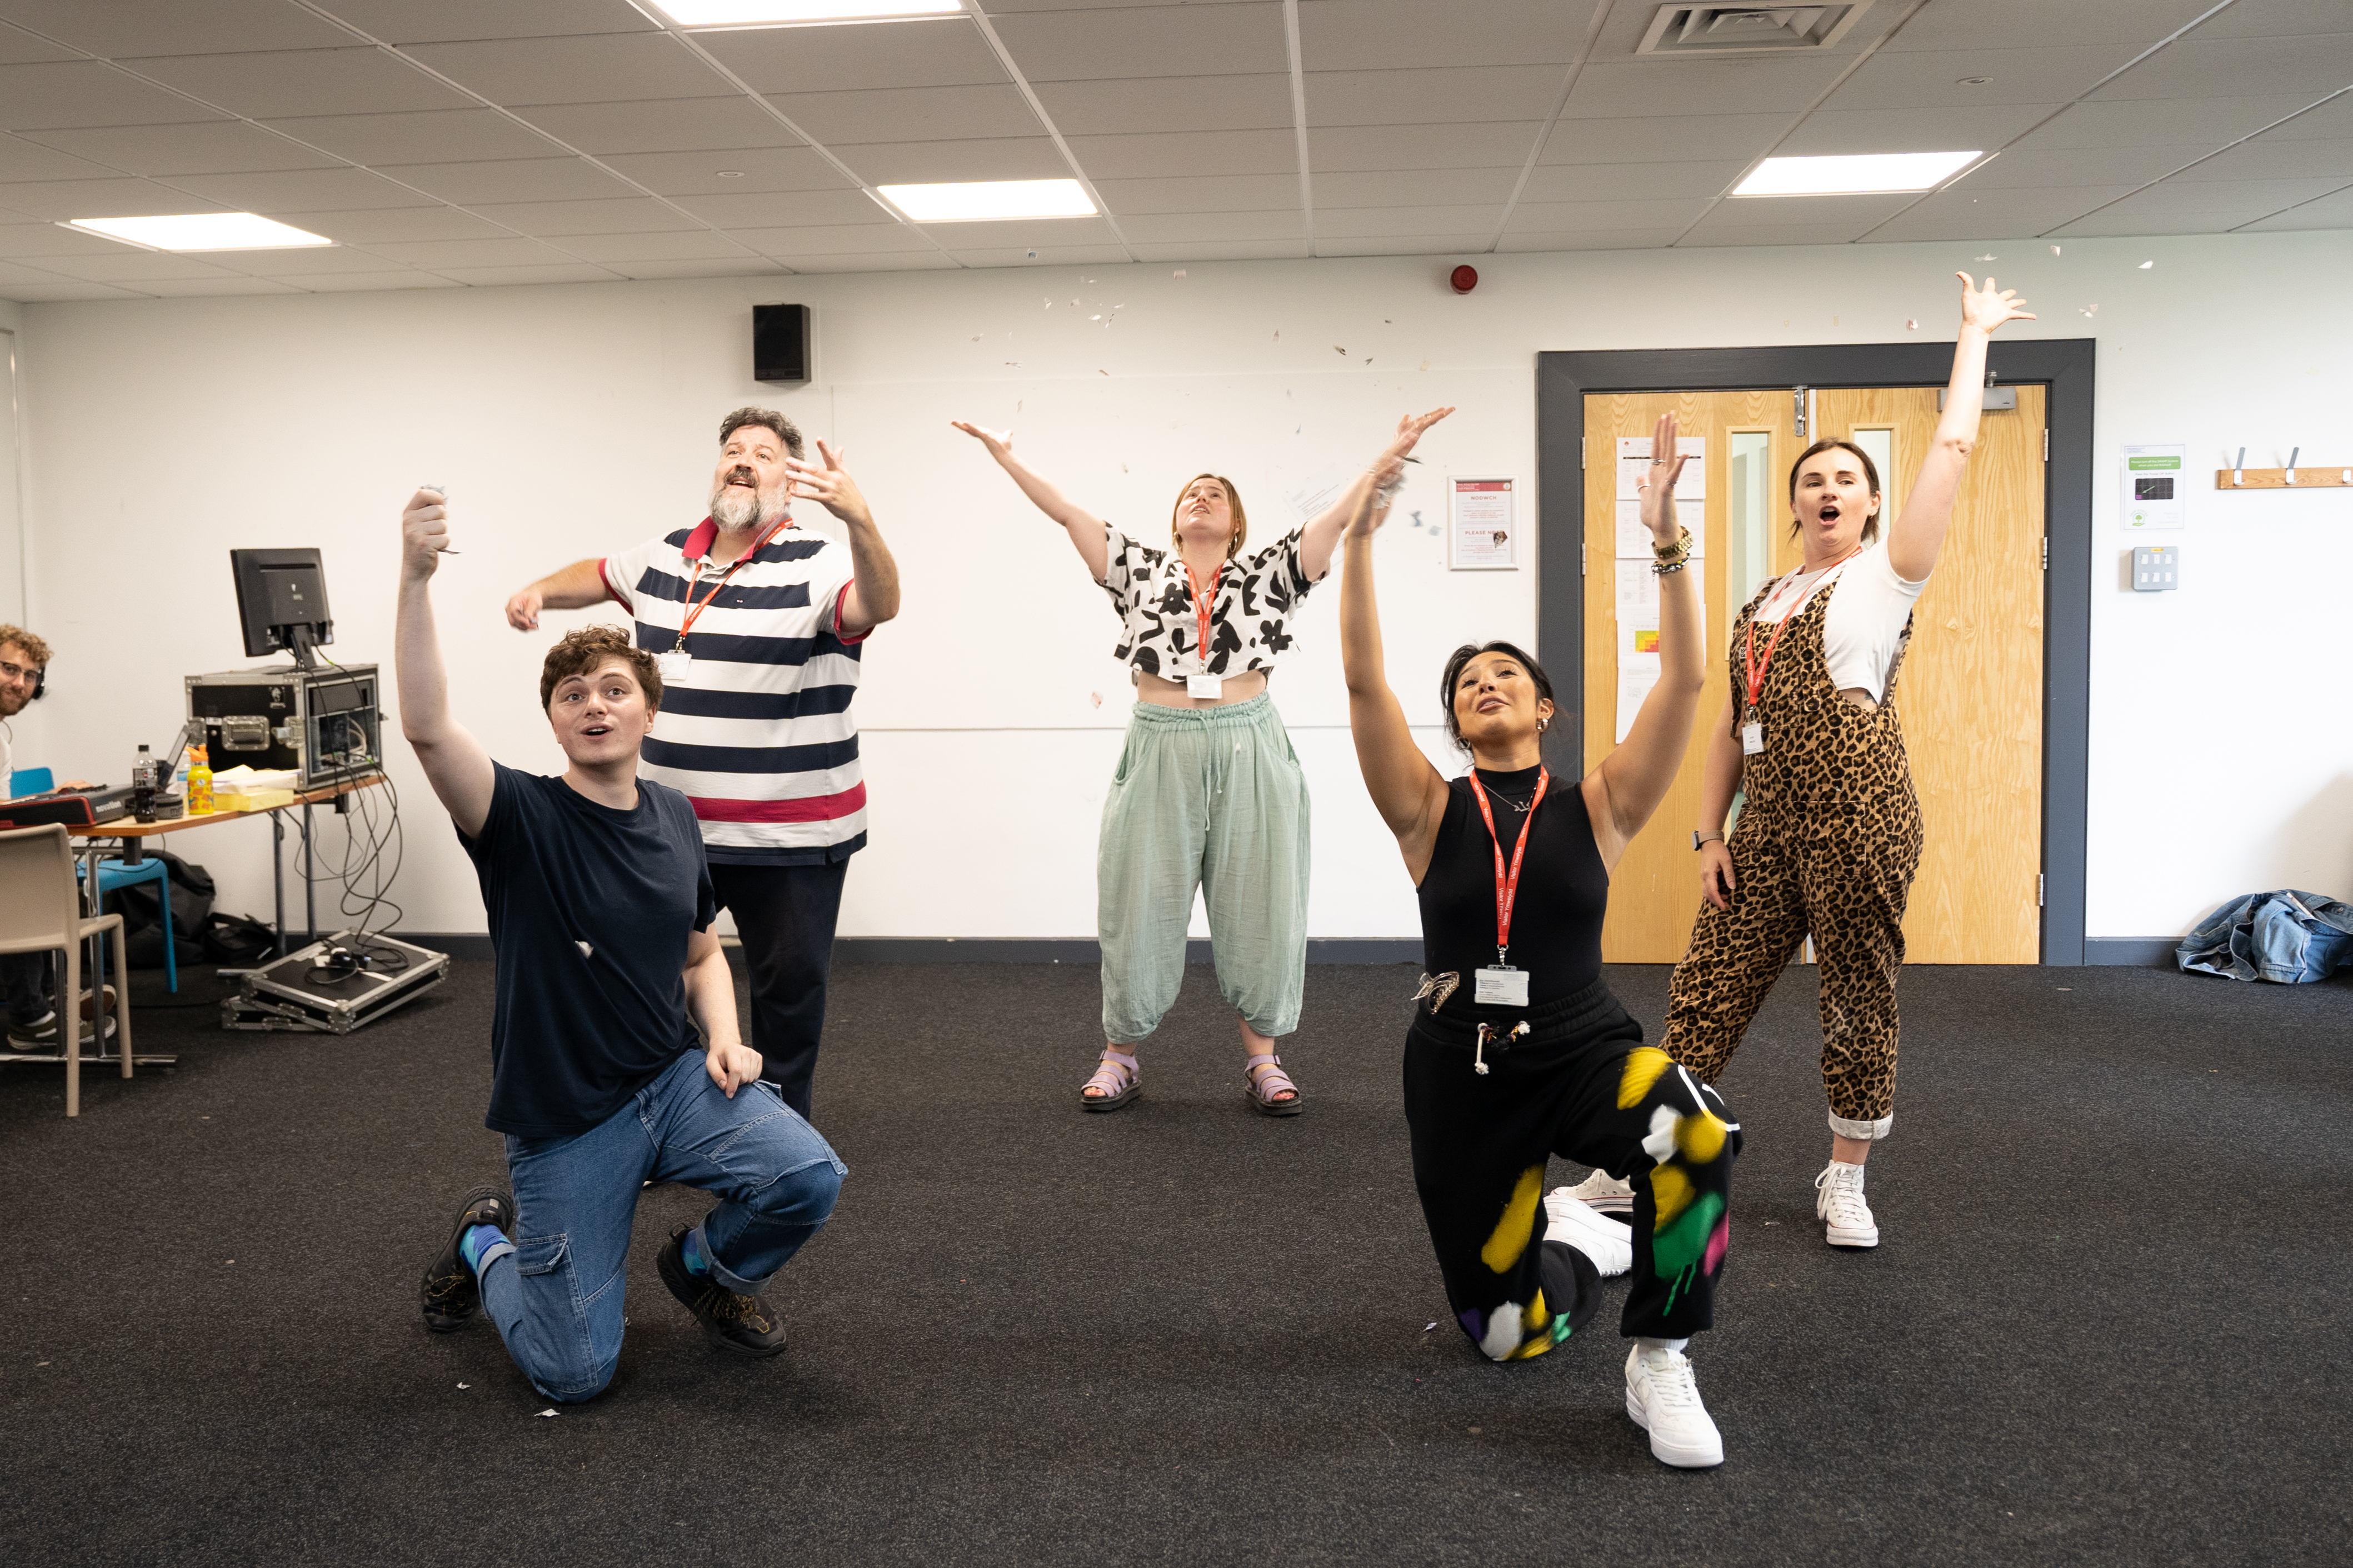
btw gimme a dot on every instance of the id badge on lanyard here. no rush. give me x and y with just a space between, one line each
1203 688
1499 984
1752 738
675 666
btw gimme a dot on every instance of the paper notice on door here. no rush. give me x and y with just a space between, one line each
1634 683
2154 498
1634 541
1638 592
1634 467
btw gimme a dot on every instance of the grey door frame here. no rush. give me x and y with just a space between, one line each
2065 366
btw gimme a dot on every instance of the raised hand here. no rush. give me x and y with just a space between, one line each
1387 474
424 533
828 484
1658 487
1987 309
998 442
1411 428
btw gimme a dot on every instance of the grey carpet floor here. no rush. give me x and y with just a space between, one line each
2104 1326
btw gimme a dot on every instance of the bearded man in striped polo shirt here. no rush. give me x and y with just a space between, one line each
756 625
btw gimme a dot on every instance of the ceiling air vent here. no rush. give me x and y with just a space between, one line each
1686 30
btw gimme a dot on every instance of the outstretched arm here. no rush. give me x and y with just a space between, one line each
1086 529
873 596
1322 531
574 587
1634 778
1915 538
1405 790
454 762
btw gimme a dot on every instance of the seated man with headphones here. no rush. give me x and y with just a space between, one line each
27 978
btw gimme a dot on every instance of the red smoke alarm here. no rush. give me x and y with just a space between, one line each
1464 279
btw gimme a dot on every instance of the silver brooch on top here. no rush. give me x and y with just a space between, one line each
1438 988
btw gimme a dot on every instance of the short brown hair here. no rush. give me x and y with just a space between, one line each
767 419
1870 475
590 648
1233 501
36 650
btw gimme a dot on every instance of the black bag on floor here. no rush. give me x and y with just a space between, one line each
142 922
238 940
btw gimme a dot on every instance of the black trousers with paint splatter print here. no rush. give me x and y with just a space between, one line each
1579 1084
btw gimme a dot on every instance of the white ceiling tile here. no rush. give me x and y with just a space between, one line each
634 214
1484 146
2272 18
2210 207
22 160
302 263
1042 256
199 288
210 147
443 254
18 49
2026 167
443 21
100 198
1630 182
305 81
128 264
1136 104
1983 129
426 136
699 245
1359 223
770 209
1432 97
510 277
1705 238
786 242
2265 159
511 180
303 190
1201 194
1538 241
2132 123
1646 140
1993 212
1933 78
31 241
753 169
1405 35
1993 23
85 92
50 293
1041 234
2311 65
1464 242
1186 152
377 224
662 125
946 52
2328 122
1223 250
925 261
1835 219
1632 213
1746 84
363 282
744 265
604 68
909 115
1185 229
128 29
1414 187
1148 40
927 162
2335 211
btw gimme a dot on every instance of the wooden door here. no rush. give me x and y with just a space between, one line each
1971 691
1654 892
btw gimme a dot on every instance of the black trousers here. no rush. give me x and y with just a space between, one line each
785 916
27 978
1580 1084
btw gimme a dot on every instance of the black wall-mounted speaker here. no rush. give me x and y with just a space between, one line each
780 343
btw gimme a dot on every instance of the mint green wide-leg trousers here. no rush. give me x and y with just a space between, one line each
1210 798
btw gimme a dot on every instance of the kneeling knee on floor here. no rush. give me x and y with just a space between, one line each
805 1195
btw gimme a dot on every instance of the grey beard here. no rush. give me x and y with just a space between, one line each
734 507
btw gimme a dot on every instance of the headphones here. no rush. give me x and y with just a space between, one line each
40 684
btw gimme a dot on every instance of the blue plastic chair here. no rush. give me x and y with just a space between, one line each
114 874
31 781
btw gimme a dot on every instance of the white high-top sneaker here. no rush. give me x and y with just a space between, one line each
1608 1243
1604 1193
1838 1202
1663 1399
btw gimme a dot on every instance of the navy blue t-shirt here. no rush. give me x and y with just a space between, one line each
590 910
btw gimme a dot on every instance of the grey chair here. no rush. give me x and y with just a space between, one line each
42 914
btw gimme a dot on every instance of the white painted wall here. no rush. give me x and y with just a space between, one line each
571 420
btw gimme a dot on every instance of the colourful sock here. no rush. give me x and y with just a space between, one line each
477 1239
697 1260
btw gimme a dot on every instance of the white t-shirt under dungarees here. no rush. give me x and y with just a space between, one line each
1862 625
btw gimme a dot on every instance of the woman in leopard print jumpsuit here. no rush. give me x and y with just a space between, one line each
1829 833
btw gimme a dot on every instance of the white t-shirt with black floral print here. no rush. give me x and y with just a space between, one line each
1255 598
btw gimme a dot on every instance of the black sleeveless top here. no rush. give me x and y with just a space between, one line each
1563 892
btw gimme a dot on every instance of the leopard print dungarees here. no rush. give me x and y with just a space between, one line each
1827 842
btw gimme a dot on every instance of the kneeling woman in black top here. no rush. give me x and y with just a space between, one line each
1517 1050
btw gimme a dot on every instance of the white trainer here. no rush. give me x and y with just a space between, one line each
1663 1399
1604 1193
1608 1243
1838 1203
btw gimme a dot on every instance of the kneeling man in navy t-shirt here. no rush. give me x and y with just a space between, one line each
614 1058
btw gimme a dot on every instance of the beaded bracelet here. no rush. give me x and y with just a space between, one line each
1662 568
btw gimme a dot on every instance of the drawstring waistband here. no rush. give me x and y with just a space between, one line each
1217 760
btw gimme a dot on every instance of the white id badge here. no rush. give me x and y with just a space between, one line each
1210 686
1502 987
1752 738
674 666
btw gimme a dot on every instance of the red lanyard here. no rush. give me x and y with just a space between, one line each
1757 667
693 610
1202 604
1507 888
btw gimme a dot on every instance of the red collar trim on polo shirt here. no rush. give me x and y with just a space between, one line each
698 543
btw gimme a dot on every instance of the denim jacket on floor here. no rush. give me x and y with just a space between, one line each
2286 937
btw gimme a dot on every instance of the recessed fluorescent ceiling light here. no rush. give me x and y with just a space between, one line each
974 200
1851 176
203 231
785 13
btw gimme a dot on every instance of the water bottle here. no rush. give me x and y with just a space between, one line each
142 787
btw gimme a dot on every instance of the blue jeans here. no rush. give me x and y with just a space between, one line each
555 1290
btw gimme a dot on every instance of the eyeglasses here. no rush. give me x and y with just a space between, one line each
17 674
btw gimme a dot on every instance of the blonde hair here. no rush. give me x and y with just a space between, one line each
36 650
1233 501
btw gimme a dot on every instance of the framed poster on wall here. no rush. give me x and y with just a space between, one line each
1483 531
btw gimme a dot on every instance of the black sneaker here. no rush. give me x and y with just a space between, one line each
450 1290
741 1324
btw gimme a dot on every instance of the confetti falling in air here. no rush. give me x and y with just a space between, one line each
2091 309
1096 696
1180 272
2054 250
1278 334
1338 350
1094 318
976 337
2145 266
1911 323
1013 363
1986 258
1103 373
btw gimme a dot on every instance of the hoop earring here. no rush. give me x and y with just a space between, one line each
1544 723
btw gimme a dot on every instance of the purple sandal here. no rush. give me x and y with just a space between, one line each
1262 1088
1118 1077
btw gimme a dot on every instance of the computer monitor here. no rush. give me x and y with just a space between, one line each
281 602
